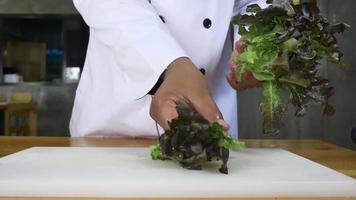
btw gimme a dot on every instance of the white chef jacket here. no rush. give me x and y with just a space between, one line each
132 42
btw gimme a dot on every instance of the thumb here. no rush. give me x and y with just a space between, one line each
209 110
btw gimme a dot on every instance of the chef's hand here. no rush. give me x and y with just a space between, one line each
184 83
248 81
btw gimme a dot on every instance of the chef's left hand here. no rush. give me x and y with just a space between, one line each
248 81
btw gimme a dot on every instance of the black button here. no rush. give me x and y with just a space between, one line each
207 23
202 70
162 18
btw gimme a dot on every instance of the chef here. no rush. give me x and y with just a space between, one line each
145 56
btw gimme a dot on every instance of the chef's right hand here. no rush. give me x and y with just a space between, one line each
184 83
248 80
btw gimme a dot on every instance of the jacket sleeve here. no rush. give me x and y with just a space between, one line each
240 7
142 45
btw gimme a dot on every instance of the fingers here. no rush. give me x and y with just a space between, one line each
233 57
248 75
239 46
163 111
230 77
206 106
248 81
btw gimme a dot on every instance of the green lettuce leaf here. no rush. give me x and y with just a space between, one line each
272 108
192 138
285 43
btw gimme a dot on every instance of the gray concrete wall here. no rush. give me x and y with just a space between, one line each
37 7
335 129
54 105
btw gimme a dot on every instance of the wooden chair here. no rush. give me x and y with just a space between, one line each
23 97
2 98
21 115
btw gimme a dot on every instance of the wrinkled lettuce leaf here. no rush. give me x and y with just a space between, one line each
191 140
271 108
285 43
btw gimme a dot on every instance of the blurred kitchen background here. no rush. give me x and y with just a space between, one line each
42 51
42 47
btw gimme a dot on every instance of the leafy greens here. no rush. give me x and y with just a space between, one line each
191 140
284 44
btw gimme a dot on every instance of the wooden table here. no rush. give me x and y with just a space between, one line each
329 155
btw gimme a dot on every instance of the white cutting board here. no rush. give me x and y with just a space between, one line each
129 172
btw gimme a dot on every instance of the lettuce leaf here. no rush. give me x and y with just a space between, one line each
271 107
192 138
285 43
